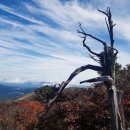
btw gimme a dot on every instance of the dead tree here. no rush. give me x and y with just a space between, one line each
106 59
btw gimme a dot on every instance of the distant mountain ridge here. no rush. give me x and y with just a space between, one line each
15 90
11 92
24 84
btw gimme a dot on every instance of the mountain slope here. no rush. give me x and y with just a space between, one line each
11 92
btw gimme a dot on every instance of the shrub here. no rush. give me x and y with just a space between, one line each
45 93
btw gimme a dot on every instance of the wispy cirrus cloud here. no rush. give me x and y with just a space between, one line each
12 11
47 47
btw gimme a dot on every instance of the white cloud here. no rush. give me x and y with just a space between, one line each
13 80
62 44
69 14
12 11
44 69
124 58
123 28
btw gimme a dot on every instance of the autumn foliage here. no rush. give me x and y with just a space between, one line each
78 109
21 115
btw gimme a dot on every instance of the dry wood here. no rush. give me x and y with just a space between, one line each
65 83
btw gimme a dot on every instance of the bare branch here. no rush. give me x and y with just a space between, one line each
65 83
114 25
87 34
109 24
99 79
98 61
114 50
102 11
109 12
108 28
80 25
84 45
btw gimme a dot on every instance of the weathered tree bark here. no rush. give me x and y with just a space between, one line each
114 110
121 110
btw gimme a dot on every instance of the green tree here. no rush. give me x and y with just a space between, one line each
45 93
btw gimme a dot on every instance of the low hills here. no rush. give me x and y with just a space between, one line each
11 92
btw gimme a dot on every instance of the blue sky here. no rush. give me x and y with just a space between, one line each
39 42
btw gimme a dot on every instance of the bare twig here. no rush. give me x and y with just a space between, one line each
84 45
102 11
98 61
87 34
114 50
108 28
109 24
